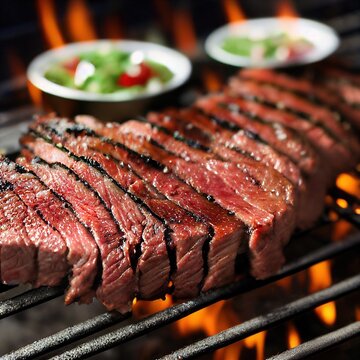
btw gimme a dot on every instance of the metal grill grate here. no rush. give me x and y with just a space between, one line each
129 332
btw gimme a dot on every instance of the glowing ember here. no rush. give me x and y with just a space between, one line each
50 26
320 278
233 11
286 9
349 183
293 337
79 21
257 341
342 203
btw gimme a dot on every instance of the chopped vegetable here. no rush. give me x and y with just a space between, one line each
110 71
279 46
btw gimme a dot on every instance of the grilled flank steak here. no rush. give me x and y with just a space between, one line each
180 201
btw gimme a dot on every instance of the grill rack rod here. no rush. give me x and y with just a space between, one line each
28 299
263 322
320 343
169 315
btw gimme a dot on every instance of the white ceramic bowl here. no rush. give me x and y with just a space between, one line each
116 106
324 39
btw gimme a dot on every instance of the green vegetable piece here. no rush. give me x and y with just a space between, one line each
60 76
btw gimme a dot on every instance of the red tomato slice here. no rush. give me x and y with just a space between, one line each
141 78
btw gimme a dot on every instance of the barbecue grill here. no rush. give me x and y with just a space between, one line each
107 330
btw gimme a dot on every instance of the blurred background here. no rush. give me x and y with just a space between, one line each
27 28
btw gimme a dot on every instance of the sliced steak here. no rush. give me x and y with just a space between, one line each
219 136
227 240
143 230
82 251
263 223
187 234
311 91
18 252
280 137
310 203
117 286
298 106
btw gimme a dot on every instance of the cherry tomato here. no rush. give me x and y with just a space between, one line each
141 77
72 64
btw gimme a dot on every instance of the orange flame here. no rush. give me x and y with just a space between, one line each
341 229
286 9
35 94
293 337
79 22
285 283
320 278
233 11
143 308
205 320
211 320
357 313
257 341
349 183
50 26
184 31
211 80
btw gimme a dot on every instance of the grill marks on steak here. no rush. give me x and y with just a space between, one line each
311 91
229 145
301 108
281 138
143 230
117 287
187 235
263 224
82 252
227 240
210 135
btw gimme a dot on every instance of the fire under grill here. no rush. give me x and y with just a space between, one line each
336 212
99 333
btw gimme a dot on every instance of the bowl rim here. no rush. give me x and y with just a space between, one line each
37 67
214 39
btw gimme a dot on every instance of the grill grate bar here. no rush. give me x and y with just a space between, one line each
67 336
263 322
321 343
179 311
28 299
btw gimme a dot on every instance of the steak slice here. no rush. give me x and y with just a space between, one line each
281 138
218 138
311 91
143 230
82 251
310 203
187 234
18 252
263 224
227 240
116 289
298 106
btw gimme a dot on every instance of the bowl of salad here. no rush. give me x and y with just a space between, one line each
108 79
272 42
